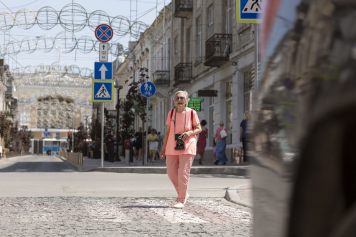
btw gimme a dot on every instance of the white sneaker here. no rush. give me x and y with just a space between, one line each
186 198
179 205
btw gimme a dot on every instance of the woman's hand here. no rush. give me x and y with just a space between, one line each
185 135
162 153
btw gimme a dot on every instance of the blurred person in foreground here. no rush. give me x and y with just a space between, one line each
179 145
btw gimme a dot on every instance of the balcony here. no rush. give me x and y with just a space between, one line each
218 49
182 73
161 78
183 8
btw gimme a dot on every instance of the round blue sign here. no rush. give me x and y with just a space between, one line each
148 89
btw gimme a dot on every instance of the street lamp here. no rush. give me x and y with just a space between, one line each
117 118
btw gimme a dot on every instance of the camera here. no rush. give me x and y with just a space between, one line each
179 143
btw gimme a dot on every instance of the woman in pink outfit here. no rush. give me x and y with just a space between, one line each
182 125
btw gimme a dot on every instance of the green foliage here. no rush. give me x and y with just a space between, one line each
5 124
24 139
80 135
127 120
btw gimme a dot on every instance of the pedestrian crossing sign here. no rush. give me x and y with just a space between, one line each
249 11
102 91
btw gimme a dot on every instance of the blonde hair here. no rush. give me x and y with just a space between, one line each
221 123
246 115
183 92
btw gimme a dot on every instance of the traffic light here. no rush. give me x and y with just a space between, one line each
68 134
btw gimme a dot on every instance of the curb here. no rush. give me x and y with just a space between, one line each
232 195
71 164
163 170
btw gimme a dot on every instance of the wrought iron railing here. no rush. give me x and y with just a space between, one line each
161 77
183 72
183 5
219 45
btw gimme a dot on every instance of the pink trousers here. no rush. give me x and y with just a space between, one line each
178 170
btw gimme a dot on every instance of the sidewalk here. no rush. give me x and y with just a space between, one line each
159 167
241 195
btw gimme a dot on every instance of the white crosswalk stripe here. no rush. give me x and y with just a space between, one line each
165 209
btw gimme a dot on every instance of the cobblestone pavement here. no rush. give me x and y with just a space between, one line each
88 216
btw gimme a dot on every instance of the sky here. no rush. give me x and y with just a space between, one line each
146 11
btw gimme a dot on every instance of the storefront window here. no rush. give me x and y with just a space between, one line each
229 109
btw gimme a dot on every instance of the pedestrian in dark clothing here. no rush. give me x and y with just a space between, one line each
243 126
138 136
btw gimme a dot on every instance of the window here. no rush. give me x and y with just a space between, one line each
229 110
176 45
162 59
228 16
169 55
189 45
210 22
199 39
247 88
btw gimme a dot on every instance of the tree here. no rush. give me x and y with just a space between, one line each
5 125
79 136
24 138
128 118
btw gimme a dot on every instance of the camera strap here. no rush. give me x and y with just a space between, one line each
175 116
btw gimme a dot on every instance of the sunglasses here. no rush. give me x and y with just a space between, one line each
179 98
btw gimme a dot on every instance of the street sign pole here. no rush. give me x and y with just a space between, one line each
102 135
147 143
103 33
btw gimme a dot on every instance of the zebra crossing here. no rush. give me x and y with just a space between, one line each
124 216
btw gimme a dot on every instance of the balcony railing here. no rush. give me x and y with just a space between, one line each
161 78
182 73
218 49
183 8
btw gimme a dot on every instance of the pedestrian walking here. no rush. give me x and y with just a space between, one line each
222 141
243 126
153 144
146 147
214 148
138 136
202 141
179 145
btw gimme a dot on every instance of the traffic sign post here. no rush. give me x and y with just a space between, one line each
103 52
103 70
148 89
103 91
248 11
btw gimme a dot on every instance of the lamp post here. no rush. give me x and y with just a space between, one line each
117 118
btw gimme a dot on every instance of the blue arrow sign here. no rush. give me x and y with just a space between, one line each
103 70
102 91
148 89
249 11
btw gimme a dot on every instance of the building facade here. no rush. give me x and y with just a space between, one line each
192 46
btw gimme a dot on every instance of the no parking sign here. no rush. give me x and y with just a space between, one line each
104 33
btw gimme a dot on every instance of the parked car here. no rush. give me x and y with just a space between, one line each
304 133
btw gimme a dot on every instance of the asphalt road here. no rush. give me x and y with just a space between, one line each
34 164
